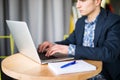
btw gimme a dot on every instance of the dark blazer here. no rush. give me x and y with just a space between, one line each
106 41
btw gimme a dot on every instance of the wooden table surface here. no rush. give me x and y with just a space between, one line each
20 67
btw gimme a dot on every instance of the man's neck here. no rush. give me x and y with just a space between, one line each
93 15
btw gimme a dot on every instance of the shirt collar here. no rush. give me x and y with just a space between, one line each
93 22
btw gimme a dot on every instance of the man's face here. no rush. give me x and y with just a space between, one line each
86 7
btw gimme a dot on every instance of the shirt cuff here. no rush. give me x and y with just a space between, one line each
71 50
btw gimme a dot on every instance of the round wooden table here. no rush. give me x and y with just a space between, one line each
20 67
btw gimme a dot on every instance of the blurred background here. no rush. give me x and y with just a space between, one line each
48 20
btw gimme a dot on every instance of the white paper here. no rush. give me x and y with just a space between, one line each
80 66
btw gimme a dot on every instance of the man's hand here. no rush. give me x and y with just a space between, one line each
44 46
63 49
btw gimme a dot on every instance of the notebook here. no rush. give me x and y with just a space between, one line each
25 44
79 66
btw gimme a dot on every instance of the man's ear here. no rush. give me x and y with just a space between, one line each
98 2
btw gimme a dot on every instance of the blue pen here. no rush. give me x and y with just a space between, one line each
68 64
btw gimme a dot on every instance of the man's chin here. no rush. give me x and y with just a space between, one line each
83 14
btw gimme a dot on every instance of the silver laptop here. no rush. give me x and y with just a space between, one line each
25 44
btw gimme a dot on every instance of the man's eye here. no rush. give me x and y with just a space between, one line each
82 0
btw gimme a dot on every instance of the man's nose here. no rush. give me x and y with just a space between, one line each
78 4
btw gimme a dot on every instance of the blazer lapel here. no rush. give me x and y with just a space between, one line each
82 32
99 25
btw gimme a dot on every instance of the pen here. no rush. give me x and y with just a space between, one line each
68 64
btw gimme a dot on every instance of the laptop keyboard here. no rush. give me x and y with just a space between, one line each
43 57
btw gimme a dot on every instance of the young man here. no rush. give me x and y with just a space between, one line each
96 37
